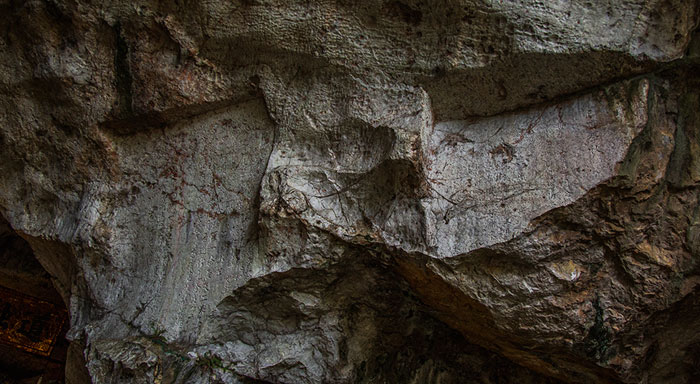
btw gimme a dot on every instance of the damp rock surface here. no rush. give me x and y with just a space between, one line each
462 191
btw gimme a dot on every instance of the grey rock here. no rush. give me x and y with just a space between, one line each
385 191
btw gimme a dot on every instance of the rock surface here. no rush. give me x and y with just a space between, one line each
390 191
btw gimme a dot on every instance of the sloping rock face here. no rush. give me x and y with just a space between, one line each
463 191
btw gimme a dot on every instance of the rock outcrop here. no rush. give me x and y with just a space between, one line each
381 191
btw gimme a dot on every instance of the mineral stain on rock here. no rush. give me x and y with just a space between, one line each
357 192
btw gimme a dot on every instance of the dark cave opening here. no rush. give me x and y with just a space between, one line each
33 316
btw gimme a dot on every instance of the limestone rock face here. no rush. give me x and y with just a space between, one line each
381 191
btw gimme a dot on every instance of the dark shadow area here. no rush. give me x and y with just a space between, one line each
33 316
384 333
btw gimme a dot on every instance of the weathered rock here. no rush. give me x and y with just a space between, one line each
460 191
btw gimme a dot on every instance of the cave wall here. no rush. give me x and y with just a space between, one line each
378 191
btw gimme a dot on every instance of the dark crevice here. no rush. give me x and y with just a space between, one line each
597 341
157 120
123 78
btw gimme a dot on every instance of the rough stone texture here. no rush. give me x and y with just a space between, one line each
383 191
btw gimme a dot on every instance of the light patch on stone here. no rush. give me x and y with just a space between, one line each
656 254
305 298
489 178
528 287
566 270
